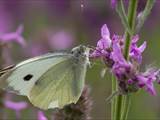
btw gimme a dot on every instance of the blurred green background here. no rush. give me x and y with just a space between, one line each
81 20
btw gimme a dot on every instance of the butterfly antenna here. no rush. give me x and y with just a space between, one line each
6 69
91 47
110 98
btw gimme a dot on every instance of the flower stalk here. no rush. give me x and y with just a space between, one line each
131 20
132 10
124 101
113 105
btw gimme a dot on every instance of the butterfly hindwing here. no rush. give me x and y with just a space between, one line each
60 85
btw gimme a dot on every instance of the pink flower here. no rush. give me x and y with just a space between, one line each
146 80
14 36
16 106
5 19
61 40
111 50
113 3
41 116
135 51
103 44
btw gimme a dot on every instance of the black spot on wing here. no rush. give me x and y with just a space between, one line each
27 77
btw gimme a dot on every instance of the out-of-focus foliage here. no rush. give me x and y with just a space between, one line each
56 24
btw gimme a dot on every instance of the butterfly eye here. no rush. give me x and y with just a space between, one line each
27 77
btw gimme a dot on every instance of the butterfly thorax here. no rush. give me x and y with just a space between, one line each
81 53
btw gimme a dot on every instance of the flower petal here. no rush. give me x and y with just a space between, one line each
105 32
113 3
14 36
41 116
135 39
117 55
20 29
142 47
102 44
15 105
150 88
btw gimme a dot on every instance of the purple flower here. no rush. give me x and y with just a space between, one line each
41 116
146 80
136 52
105 41
127 71
14 36
113 3
118 39
117 55
17 106
61 40
103 44
5 19
120 66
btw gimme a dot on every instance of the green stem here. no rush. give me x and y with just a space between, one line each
119 102
132 10
126 103
113 105
131 19
120 113
122 14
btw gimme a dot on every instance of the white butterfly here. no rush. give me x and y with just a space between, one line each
51 80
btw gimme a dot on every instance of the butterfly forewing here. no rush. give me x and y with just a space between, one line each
59 86
24 76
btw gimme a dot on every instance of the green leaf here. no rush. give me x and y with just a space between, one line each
121 12
142 16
